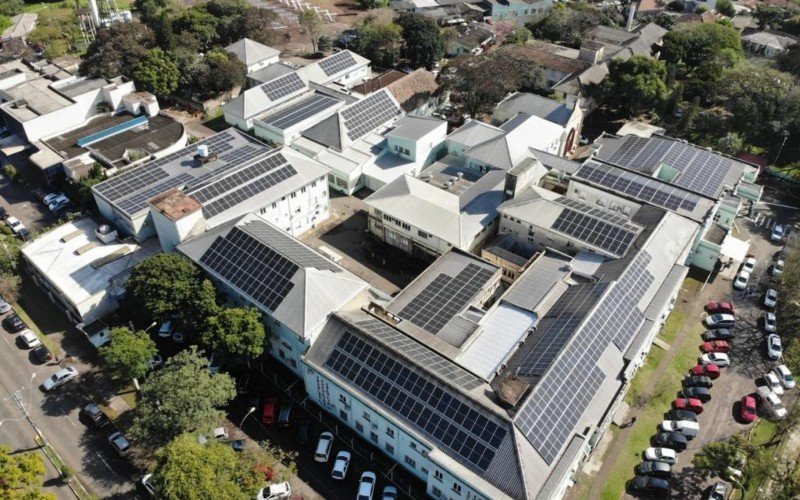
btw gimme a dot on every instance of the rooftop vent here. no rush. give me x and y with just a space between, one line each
106 234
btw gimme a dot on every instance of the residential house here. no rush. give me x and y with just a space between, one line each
254 55
766 44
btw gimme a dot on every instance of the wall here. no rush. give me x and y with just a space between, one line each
354 77
300 210
262 64
705 255
591 195
405 236
520 12
541 237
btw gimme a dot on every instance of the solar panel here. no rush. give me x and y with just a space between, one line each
289 247
247 174
337 63
445 297
296 113
446 417
369 113
248 191
420 354
551 411
595 231
283 86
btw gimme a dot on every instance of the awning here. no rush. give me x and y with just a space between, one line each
734 248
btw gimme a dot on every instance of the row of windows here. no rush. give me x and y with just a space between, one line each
396 222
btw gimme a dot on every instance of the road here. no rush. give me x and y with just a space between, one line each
57 416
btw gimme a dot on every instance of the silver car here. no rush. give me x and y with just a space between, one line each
4 305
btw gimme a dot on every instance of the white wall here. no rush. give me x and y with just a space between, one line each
300 210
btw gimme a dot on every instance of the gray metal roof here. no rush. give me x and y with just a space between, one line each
327 132
536 105
251 52
415 127
270 72
538 281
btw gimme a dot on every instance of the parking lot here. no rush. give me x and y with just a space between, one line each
19 202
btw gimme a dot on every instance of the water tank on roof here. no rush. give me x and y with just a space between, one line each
202 151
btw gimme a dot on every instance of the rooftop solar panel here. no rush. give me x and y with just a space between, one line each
337 63
283 86
594 231
369 113
296 113
243 193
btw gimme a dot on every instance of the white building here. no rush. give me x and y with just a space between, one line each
254 55
568 115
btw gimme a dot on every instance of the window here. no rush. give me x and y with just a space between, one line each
457 488
293 195
367 416
293 363
373 436
413 445
390 432
423 234
410 461
313 184
303 189
342 399
343 415
436 491
402 150
424 471
274 204
389 448
437 475
359 426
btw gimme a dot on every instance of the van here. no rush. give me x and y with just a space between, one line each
324 445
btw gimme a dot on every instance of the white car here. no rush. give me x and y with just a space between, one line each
275 491
340 465
149 485
740 283
771 298
778 233
51 197
749 265
15 225
685 427
770 322
323 450
366 486
58 203
666 455
774 346
121 445
30 339
720 321
777 267
785 376
389 493
715 358
772 402
60 378
773 383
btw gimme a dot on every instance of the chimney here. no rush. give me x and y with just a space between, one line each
591 52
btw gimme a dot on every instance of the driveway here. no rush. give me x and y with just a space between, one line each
20 203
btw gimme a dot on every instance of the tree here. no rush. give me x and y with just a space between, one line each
312 25
229 15
697 44
150 10
9 286
198 24
225 71
519 36
11 7
424 43
200 307
635 85
789 61
676 6
730 144
157 73
117 50
236 332
21 476
568 24
725 7
128 353
715 458
181 397
379 42
792 26
325 44
373 4
56 32
257 24
767 15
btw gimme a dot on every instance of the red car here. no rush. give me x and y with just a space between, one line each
688 404
747 409
716 346
711 371
270 414
715 307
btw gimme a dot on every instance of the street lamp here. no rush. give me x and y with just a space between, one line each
154 323
252 409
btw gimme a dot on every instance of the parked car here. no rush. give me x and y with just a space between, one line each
285 415
58 204
770 322
716 346
366 486
720 321
719 491
700 393
51 197
302 433
749 264
4 305
774 346
323 450
165 330
270 413
771 298
94 414
14 323
662 470
777 267
710 371
715 307
666 455
698 381
785 376
14 224
740 283
214 366
340 465
686 427
674 440
771 380
178 337
689 404
676 414
778 232
715 358
3 213
29 339
718 334
747 408
60 378
771 401
42 354
275 491
389 493
121 445
649 485
155 362
149 485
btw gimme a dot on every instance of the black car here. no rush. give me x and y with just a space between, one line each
698 381
14 323
644 484
718 334
700 393
674 440
302 432
682 415
42 354
657 469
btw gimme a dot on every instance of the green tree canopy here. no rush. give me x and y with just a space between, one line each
11 7
21 476
225 71
725 7
128 353
423 39
569 23
117 50
696 44
519 36
236 332
157 73
56 32
257 24
181 397
769 16
635 85
789 61
312 25
379 42
373 4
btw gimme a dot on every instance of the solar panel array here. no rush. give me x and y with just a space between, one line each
283 86
553 408
248 191
579 206
444 416
701 171
444 297
289 247
247 174
300 111
337 63
369 113
591 228
420 354
640 187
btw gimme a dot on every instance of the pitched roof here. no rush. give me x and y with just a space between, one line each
536 105
544 58
417 85
521 133
251 52
257 100
379 82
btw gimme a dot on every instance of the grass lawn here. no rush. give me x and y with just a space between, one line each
652 413
51 346
40 6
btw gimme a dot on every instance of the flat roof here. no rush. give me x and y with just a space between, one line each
34 98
